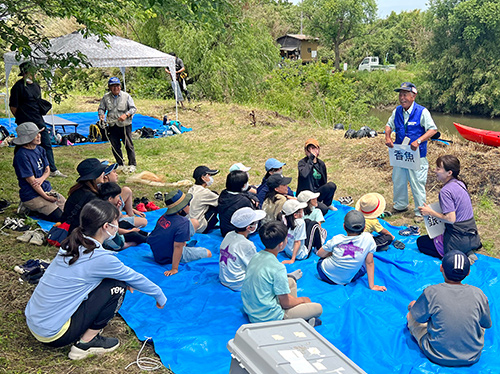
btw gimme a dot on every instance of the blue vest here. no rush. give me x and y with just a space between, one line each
413 128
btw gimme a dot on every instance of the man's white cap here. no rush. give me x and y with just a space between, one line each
244 217
292 206
239 166
306 195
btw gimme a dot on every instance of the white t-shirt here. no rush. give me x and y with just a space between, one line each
236 251
203 198
348 255
298 233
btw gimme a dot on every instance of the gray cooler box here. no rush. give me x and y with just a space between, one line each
286 347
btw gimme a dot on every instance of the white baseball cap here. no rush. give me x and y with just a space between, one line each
244 217
239 166
306 195
291 206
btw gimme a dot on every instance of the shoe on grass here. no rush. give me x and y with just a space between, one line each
98 345
152 206
26 237
132 168
37 238
57 173
418 219
141 207
23 209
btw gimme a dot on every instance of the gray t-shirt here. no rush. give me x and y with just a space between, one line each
457 316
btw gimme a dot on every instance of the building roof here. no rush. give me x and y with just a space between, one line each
300 37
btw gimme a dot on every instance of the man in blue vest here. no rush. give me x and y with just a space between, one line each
415 122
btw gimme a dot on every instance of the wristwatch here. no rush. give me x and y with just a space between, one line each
419 141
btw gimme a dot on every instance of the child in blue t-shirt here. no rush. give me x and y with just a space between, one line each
172 231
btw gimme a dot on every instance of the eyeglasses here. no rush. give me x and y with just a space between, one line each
116 227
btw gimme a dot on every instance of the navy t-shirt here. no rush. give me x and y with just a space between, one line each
28 163
168 229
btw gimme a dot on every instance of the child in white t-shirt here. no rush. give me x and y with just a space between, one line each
236 250
346 258
302 236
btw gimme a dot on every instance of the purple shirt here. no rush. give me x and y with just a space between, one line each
454 197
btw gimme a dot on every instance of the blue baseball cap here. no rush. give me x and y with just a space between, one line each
272 163
456 265
113 80
109 167
407 86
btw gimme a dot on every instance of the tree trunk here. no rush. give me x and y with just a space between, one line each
337 56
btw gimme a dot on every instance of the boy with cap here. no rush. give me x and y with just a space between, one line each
313 176
205 202
415 122
268 294
276 196
236 250
346 258
448 319
372 205
272 166
239 166
172 231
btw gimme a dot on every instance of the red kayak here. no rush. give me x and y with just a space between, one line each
487 137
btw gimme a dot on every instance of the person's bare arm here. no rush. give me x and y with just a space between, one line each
388 139
322 253
296 246
39 181
288 301
426 210
39 190
176 258
370 270
13 110
428 134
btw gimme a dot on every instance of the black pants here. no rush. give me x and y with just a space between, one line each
118 134
47 145
94 313
426 246
382 242
211 217
325 198
313 239
55 216
138 237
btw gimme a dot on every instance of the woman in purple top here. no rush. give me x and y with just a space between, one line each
460 227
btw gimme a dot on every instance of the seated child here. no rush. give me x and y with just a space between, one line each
346 258
302 236
246 169
267 293
448 319
272 166
311 211
205 202
372 205
133 216
275 196
236 250
172 231
128 235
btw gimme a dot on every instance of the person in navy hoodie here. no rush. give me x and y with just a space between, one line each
415 122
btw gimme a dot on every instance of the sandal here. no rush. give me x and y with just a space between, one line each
385 214
346 200
411 230
398 244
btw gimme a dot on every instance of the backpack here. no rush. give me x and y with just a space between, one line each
95 134
147 133
77 138
4 133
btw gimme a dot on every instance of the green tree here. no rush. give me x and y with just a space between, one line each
337 21
464 70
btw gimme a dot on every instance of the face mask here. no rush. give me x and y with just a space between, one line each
252 230
29 81
210 181
245 187
111 236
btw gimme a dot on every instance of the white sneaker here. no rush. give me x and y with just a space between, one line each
57 173
131 169
332 208
23 209
37 238
26 237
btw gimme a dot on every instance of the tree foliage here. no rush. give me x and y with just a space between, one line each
337 21
464 58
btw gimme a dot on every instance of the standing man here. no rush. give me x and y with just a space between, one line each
120 108
24 102
179 86
415 122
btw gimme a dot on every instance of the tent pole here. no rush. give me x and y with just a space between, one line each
124 83
7 111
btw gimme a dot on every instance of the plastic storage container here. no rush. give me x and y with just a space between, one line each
289 346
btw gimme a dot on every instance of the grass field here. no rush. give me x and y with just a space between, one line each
222 135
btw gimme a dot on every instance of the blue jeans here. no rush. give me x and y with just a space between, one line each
324 277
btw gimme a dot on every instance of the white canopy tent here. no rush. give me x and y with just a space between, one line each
120 53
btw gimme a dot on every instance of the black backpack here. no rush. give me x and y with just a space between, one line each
147 132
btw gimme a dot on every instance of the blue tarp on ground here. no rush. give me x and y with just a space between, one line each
190 334
86 119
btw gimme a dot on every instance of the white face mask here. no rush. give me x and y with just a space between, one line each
111 236
210 181
245 187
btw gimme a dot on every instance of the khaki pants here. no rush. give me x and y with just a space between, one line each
418 330
305 311
40 205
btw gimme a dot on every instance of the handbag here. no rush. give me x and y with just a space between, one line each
45 106
58 233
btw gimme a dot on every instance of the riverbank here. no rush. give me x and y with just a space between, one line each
222 135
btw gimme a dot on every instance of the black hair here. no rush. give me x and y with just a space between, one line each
93 216
241 229
352 232
199 180
272 234
308 209
271 194
268 174
236 180
109 189
290 220
450 163
91 185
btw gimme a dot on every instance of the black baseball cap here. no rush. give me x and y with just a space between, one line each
456 265
277 180
407 86
354 221
200 171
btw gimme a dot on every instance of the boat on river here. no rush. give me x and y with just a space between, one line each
487 137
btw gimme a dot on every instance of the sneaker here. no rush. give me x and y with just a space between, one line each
144 200
132 168
152 206
37 238
397 211
120 168
158 195
315 321
26 237
332 208
98 345
472 257
141 207
57 173
418 219
23 209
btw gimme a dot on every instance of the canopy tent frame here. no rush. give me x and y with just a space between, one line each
119 52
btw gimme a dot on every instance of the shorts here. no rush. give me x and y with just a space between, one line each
129 219
40 205
417 329
193 253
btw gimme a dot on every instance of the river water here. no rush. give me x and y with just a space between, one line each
444 122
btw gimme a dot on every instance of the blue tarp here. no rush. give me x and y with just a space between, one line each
190 334
86 119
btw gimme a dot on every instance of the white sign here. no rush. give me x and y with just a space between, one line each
314 54
434 226
403 156
345 66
